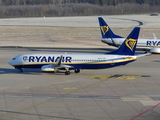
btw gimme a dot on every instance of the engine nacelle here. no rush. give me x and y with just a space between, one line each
155 50
48 68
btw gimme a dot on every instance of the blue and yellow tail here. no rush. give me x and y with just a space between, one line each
128 47
106 31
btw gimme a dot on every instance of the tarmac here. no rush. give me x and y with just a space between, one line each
128 92
75 32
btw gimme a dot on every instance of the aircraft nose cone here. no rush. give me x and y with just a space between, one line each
10 62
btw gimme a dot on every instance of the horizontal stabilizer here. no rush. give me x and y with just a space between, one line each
141 55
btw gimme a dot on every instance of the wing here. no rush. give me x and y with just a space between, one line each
57 66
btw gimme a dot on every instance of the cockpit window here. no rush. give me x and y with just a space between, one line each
13 58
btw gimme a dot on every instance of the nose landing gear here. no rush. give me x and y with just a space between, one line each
20 70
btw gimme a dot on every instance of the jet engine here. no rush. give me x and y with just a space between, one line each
48 68
155 50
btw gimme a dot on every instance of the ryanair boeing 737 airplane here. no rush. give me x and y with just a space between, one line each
110 38
54 62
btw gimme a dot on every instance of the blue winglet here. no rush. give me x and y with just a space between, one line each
106 31
128 47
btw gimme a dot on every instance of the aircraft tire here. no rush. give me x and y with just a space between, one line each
77 71
67 73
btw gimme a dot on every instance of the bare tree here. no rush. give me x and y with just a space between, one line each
72 9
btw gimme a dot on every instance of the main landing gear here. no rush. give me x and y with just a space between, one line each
68 72
77 71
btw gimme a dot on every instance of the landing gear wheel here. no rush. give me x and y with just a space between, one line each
146 51
67 73
77 71
20 70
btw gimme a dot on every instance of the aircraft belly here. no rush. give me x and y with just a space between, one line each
30 66
81 65
104 65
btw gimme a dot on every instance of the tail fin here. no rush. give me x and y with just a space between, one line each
128 47
106 31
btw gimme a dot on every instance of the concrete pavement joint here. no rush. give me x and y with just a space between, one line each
52 99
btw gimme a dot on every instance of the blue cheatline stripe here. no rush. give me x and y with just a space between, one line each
80 65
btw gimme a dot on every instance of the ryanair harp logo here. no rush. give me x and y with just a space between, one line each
130 43
104 29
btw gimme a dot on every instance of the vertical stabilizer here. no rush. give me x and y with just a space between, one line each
128 47
106 31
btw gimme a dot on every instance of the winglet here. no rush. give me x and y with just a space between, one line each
154 36
128 47
106 31
59 60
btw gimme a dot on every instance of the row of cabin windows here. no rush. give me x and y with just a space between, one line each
86 60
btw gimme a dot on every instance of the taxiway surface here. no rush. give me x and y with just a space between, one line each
128 92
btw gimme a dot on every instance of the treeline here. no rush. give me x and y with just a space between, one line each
96 2
72 9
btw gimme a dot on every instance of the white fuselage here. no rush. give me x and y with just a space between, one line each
81 61
142 43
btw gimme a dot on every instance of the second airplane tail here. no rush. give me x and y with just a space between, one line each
106 31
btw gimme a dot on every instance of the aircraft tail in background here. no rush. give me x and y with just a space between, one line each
106 31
